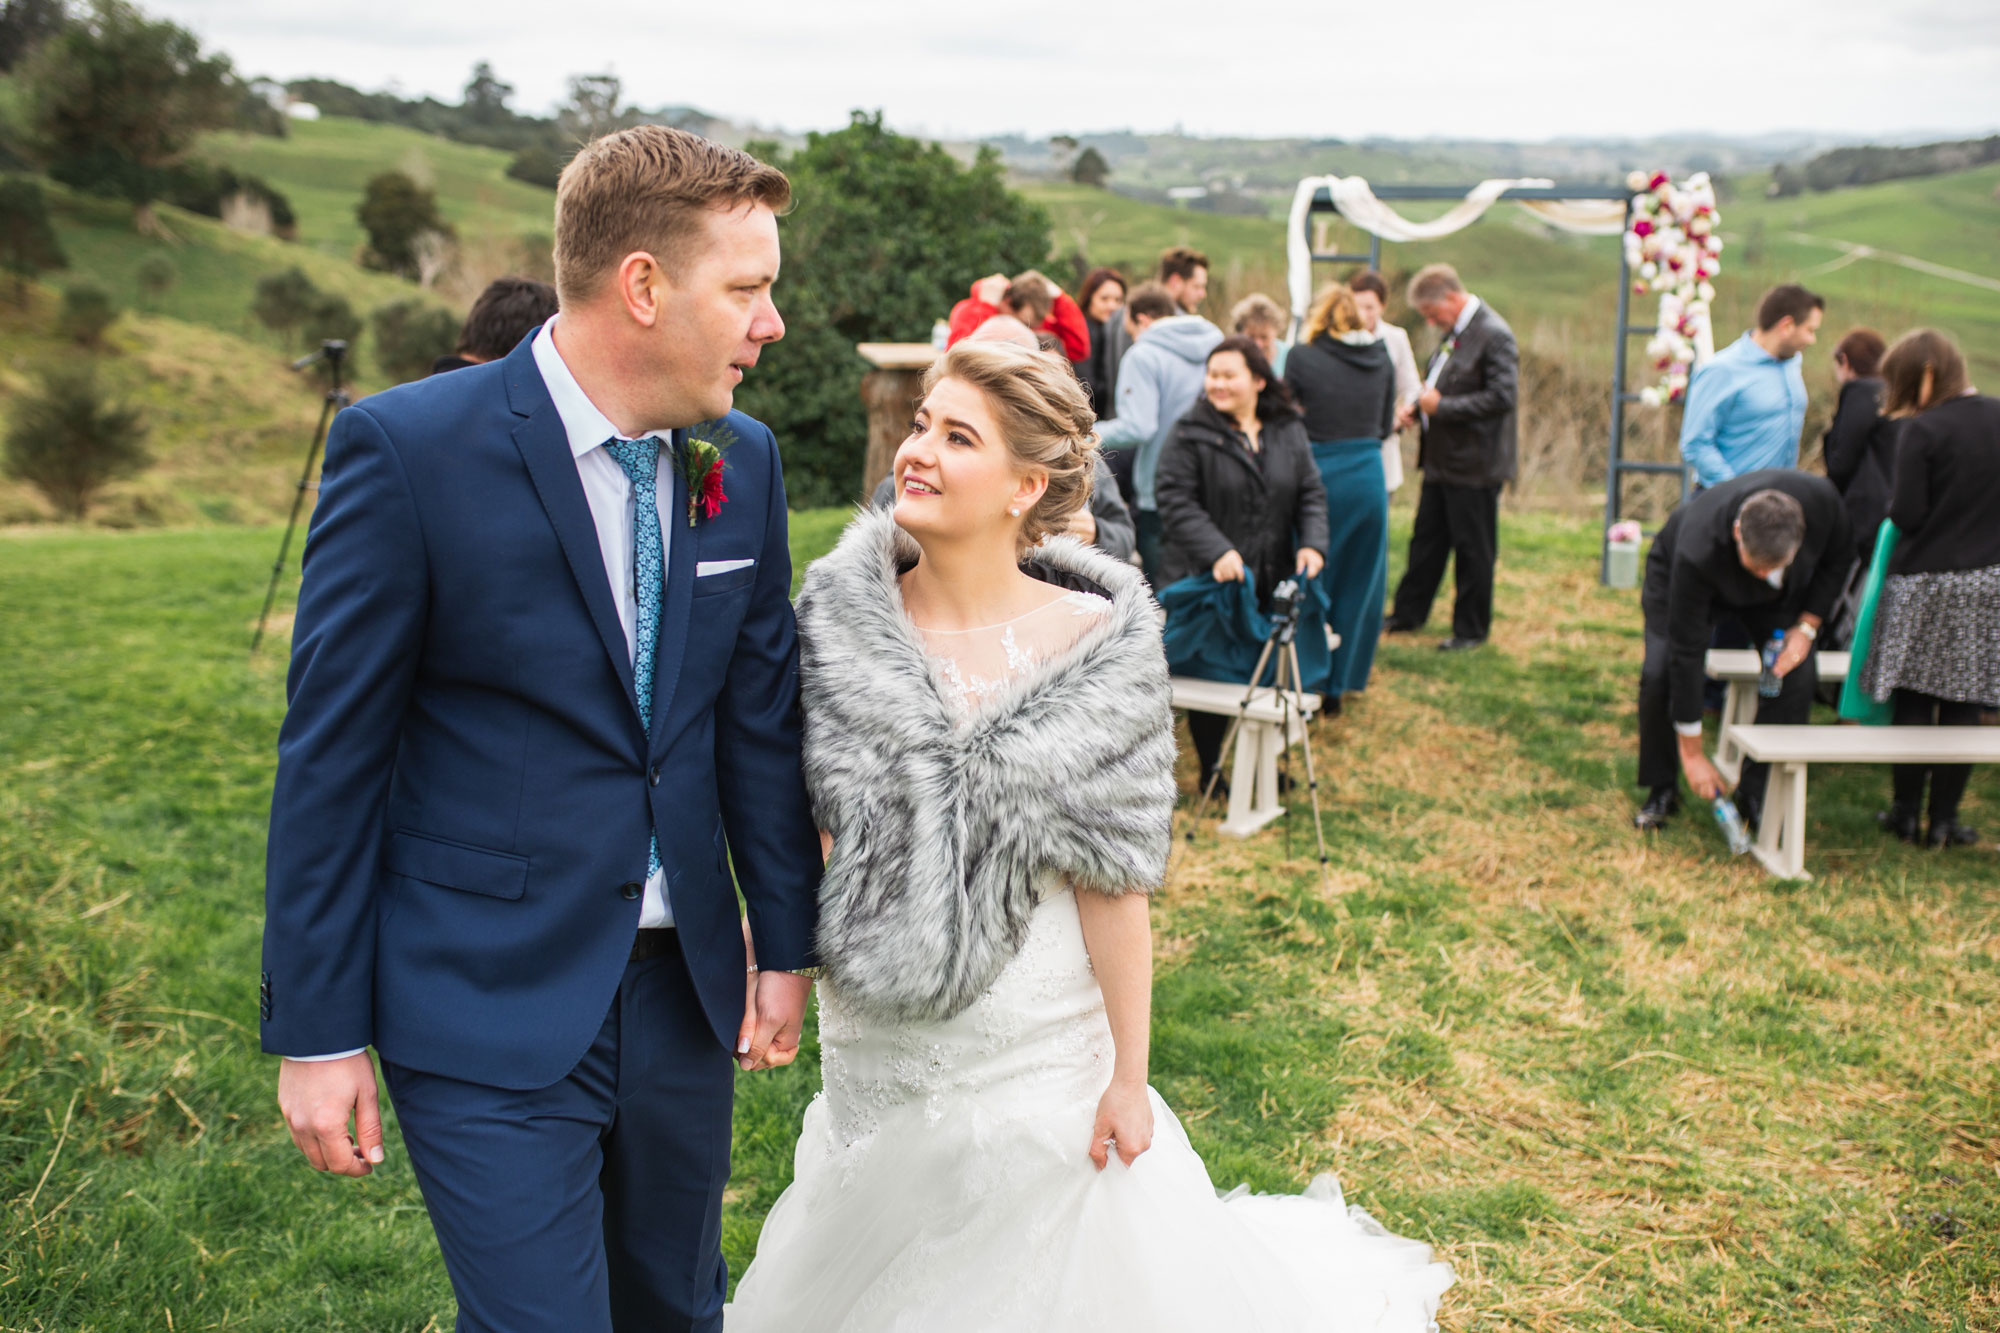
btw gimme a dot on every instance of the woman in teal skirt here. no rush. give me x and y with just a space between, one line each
1345 384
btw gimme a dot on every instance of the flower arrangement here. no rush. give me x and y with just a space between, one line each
701 468
1625 532
1674 250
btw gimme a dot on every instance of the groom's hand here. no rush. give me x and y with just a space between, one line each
773 1021
317 1096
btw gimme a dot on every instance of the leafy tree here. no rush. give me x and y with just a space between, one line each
329 316
396 212
156 276
114 100
486 96
537 166
68 438
410 335
24 24
1090 169
282 301
28 244
592 109
887 233
87 312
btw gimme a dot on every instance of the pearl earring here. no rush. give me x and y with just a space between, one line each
1014 510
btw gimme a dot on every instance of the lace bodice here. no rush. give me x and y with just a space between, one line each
976 664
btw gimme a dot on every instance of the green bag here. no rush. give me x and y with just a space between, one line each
1854 704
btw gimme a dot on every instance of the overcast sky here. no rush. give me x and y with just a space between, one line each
1454 68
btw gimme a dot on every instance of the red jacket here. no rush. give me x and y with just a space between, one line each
1065 321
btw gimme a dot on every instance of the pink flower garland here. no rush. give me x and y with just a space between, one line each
1673 249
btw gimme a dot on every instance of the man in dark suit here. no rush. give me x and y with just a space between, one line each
1769 550
1467 454
543 694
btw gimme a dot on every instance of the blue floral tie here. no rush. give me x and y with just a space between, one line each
641 461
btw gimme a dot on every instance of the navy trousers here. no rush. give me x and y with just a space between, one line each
593 1204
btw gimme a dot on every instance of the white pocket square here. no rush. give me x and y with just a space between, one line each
704 568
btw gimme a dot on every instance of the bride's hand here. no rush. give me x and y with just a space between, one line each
1125 1119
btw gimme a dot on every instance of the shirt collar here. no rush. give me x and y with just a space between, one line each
1465 314
586 427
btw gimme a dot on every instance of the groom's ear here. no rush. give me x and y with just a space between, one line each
641 282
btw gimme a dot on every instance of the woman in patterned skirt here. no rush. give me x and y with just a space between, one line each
1937 632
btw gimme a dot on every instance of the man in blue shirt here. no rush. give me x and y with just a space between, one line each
1746 407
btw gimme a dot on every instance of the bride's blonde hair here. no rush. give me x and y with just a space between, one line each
1044 418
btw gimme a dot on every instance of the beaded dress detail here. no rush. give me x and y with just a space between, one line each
941 1179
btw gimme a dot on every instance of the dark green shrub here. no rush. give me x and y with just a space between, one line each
87 311
67 438
156 276
410 335
28 244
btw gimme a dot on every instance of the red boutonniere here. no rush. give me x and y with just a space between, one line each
701 468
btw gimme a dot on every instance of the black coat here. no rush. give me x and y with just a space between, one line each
1215 496
1947 496
1695 576
1860 453
1346 390
1095 369
1470 439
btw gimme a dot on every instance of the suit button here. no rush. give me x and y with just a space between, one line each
654 777
630 890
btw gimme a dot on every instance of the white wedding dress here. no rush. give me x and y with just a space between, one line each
942 1183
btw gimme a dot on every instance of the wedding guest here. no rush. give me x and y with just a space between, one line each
1031 298
1160 379
1258 318
1345 383
1183 273
1371 299
1747 405
1768 550
1466 451
1936 647
1239 494
507 311
1102 297
1859 447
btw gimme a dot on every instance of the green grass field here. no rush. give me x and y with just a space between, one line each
1621 1084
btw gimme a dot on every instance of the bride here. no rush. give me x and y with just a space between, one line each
989 747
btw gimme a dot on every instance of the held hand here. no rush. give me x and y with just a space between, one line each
1228 568
1311 562
1124 1124
1701 776
317 1097
1792 654
1406 416
1427 401
1083 525
991 288
778 1000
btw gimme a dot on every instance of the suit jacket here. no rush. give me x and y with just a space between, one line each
464 791
1695 577
1470 438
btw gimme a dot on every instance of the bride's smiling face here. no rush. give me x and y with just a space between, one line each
955 475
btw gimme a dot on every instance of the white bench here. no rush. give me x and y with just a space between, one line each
1253 778
1781 839
1739 668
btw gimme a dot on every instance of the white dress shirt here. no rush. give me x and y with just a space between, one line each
1438 362
609 493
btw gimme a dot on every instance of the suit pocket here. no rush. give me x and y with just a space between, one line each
454 865
711 585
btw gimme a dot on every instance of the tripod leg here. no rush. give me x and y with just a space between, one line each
1312 786
335 400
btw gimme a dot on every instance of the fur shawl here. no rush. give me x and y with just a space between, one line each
944 832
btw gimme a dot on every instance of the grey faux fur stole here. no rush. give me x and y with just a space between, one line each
942 833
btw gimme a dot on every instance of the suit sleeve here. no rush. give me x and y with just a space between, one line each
357 638
1499 382
765 812
1066 322
1115 534
1690 625
1836 556
1184 522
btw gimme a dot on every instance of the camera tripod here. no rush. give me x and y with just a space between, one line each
1287 684
334 353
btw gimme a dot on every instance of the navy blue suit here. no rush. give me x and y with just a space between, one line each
461 817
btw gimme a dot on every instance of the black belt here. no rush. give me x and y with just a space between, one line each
653 942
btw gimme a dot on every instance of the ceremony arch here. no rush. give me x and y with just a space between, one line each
1599 210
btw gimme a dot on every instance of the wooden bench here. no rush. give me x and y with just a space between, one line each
1253 777
1739 668
1781 839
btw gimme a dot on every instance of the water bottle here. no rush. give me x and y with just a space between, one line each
1770 684
1731 823
940 335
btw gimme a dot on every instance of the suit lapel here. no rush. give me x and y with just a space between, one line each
677 599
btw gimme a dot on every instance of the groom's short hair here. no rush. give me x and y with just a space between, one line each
645 189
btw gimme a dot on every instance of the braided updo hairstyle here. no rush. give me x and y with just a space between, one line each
1044 418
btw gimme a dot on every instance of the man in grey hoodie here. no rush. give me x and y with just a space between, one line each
1158 381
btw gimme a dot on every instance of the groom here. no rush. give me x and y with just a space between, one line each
540 702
